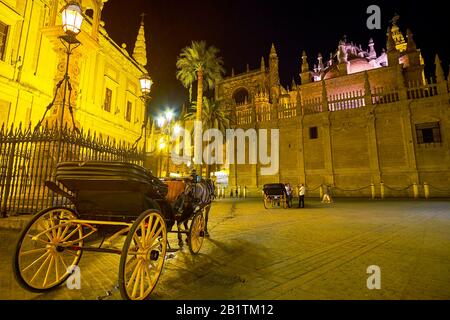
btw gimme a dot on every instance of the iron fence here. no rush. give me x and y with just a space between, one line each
28 159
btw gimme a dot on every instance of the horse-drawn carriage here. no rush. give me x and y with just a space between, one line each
275 194
110 200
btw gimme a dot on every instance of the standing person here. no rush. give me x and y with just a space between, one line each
327 195
289 194
301 196
231 193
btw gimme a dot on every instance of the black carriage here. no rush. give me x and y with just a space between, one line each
110 200
275 195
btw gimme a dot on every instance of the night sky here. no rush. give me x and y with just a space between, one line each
244 30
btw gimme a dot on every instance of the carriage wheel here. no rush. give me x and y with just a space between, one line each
41 260
196 233
143 254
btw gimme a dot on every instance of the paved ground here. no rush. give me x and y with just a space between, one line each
320 252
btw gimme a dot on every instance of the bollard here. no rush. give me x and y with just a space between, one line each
426 190
321 192
372 189
382 190
415 191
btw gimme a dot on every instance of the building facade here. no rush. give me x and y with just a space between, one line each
359 122
104 76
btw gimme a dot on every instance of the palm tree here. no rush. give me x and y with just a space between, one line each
212 117
202 64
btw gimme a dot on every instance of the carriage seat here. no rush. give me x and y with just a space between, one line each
175 188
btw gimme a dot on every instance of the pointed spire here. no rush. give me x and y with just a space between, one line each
319 57
140 50
397 36
273 52
342 55
411 46
372 52
390 44
293 84
439 72
305 66
263 65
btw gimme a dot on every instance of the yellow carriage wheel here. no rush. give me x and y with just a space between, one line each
48 249
196 233
143 255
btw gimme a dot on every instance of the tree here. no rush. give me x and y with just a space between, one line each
202 64
212 117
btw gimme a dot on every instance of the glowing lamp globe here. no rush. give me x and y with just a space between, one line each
169 116
146 84
72 18
161 121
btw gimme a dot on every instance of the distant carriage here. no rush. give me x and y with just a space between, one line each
275 195
111 200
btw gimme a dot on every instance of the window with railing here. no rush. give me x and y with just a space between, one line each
3 36
429 132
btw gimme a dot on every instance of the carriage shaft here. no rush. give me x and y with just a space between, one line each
103 250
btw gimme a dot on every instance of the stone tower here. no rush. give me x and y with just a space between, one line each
274 77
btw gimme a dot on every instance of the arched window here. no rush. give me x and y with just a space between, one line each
241 96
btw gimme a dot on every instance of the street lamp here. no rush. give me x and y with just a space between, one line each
72 18
146 85
164 122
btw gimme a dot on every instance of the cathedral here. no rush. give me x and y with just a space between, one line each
360 122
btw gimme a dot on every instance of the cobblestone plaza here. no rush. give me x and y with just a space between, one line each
319 252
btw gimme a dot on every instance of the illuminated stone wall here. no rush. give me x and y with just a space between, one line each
370 136
34 61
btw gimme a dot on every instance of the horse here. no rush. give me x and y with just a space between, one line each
195 197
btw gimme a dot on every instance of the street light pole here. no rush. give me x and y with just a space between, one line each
168 149
70 43
72 19
146 86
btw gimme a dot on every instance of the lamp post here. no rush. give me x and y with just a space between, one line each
165 124
146 86
71 22
72 19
